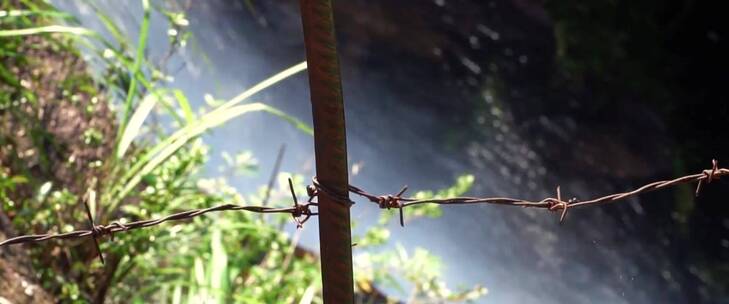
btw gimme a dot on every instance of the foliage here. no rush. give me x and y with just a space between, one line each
142 169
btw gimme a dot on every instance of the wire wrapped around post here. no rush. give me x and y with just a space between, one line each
330 145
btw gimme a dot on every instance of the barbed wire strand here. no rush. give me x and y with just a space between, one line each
550 203
397 201
96 231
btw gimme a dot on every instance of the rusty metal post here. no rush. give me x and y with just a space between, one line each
330 146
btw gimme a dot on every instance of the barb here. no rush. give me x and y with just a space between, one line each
300 210
710 175
550 203
385 201
97 231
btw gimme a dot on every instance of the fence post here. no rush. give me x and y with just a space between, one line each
330 146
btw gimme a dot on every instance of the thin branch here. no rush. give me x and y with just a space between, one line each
274 174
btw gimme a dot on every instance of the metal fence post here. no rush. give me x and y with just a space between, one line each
331 150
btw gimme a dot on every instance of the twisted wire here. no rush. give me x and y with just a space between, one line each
96 231
301 212
550 203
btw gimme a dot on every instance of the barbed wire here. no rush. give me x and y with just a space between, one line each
297 211
550 203
301 212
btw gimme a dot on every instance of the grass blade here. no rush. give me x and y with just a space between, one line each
196 292
265 84
109 24
184 105
47 29
218 267
28 13
155 156
292 120
178 139
177 294
309 294
141 45
135 123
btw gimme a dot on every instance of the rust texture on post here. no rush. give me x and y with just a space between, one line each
331 150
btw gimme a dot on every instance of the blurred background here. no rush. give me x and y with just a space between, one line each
490 98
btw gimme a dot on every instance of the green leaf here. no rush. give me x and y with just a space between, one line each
108 23
265 84
292 120
375 236
141 45
177 294
462 185
135 123
18 179
184 105
160 152
199 272
27 13
8 77
47 29
218 267
178 139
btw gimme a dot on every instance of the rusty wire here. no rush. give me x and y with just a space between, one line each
297 211
301 212
550 203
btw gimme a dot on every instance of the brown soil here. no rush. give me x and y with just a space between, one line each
48 140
